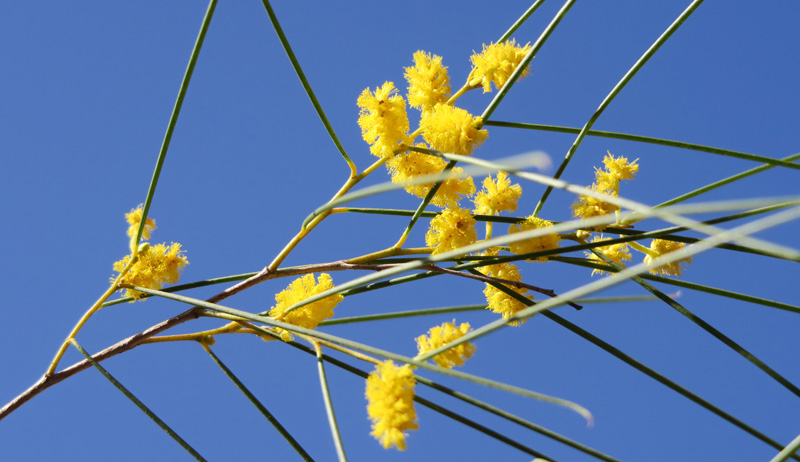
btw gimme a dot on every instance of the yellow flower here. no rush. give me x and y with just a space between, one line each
452 130
155 266
499 301
620 167
659 247
496 63
308 316
606 181
441 335
615 252
411 164
390 397
383 119
535 244
497 196
134 217
428 82
450 230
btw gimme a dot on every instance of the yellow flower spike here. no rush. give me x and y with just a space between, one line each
497 196
442 335
155 266
496 63
390 398
383 119
659 247
450 230
535 244
307 316
615 252
428 82
452 130
411 164
499 301
606 181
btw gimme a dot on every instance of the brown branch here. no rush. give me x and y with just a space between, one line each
125 345
193 313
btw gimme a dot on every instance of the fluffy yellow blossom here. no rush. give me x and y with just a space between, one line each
383 119
441 335
620 167
496 63
308 316
659 247
155 266
452 130
499 301
428 82
134 217
535 244
411 164
606 181
615 252
450 230
497 196
390 398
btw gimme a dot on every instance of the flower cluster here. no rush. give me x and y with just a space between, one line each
450 230
496 63
383 119
390 397
442 335
307 316
153 265
607 182
617 253
535 244
660 247
497 196
499 301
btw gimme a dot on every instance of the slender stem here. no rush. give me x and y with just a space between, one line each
521 20
306 86
614 92
173 120
260 406
788 451
769 161
88 314
526 61
326 396
138 403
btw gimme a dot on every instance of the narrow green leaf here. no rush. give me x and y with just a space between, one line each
173 120
259 405
306 86
326 395
615 91
139 403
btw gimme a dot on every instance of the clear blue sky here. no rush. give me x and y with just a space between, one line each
88 88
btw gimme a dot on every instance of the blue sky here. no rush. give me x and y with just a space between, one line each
88 90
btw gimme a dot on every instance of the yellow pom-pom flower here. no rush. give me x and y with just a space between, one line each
307 316
134 218
411 164
452 229
428 82
659 247
496 63
155 266
606 181
390 398
442 335
452 130
499 301
383 119
615 252
535 244
497 196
